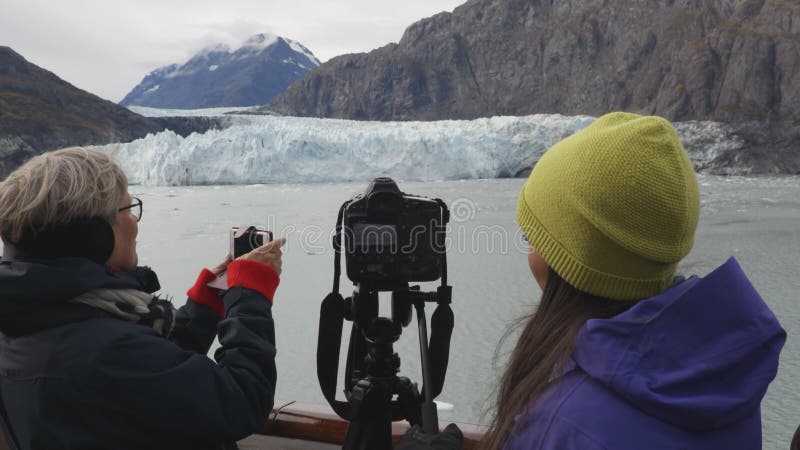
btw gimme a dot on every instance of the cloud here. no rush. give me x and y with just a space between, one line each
107 47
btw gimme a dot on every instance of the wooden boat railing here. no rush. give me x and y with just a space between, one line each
318 423
305 426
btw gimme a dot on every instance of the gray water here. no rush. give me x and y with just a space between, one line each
757 220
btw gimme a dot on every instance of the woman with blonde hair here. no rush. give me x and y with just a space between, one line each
620 353
89 356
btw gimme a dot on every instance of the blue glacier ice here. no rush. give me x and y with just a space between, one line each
274 149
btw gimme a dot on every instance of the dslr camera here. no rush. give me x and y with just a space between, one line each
391 238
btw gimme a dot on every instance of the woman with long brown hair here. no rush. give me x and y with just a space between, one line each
620 353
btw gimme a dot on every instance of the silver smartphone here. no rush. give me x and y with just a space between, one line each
242 240
245 239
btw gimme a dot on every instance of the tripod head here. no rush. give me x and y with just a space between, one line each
381 360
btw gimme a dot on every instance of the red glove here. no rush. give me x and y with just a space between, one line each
254 275
204 295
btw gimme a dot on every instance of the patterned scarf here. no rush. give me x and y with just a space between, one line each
133 306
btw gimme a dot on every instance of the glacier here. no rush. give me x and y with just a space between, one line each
275 149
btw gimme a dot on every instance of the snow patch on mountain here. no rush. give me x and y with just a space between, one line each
259 42
299 48
214 48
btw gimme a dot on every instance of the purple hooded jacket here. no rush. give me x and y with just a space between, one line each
686 369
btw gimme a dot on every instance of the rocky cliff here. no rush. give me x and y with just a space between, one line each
39 112
727 60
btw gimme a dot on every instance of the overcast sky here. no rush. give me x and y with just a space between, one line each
106 46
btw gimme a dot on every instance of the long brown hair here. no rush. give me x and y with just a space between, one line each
544 346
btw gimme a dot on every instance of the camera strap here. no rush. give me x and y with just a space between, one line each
442 322
331 321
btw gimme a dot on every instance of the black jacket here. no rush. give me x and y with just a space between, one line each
73 377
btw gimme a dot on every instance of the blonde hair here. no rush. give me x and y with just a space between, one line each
58 187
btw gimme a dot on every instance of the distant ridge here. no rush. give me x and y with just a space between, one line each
727 60
39 111
217 76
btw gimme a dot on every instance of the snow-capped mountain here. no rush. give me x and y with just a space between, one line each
263 67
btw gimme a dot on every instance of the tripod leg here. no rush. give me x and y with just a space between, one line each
409 400
430 419
371 428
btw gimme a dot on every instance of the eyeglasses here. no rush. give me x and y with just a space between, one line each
135 209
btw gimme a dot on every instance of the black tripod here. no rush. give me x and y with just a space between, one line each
376 396
374 366
371 397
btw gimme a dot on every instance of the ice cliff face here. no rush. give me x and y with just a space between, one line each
305 150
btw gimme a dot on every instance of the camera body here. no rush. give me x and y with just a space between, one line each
391 238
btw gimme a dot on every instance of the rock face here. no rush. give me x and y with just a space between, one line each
726 60
252 75
39 112
766 149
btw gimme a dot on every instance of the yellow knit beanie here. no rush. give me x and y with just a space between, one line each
614 207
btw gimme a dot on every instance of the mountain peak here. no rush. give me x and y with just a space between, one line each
261 68
214 48
260 41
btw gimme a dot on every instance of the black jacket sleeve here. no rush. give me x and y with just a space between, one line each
195 327
185 395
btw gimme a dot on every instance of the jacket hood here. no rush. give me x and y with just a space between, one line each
29 287
699 355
